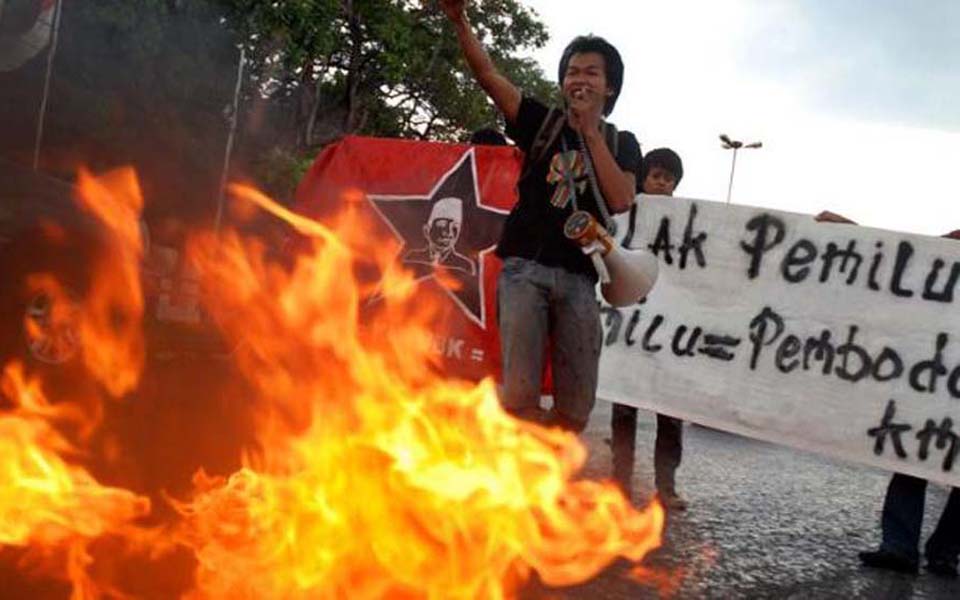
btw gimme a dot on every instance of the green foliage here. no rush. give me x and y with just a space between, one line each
380 67
280 171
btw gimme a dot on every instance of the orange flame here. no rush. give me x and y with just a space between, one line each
49 502
110 327
43 498
372 475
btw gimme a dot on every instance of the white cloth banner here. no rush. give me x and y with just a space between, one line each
839 339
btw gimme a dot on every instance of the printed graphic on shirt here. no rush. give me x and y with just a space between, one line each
563 163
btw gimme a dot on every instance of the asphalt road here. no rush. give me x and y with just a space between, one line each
764 522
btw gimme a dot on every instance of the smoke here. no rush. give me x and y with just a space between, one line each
145 83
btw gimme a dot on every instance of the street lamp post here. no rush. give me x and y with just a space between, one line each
735 145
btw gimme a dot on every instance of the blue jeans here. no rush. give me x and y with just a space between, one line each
903 516
539 306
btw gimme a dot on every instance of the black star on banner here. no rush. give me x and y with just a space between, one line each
450 229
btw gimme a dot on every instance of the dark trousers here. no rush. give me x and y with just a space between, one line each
666 454
903 516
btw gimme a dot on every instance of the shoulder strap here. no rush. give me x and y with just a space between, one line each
546 136
550 130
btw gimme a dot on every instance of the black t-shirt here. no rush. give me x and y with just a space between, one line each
534 229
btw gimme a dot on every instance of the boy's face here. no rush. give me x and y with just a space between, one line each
587 75
659 181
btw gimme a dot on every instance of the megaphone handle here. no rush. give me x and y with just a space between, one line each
601 268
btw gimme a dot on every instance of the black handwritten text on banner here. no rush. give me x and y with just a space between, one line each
835 338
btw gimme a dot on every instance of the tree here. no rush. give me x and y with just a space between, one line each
379 67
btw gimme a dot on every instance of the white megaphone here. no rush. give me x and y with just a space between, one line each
626 276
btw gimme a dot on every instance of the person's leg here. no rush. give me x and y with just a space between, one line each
943 547
522 318
900 523
667 453
577 337
623 426
903 515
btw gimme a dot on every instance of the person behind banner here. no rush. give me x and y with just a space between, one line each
660 173
902 515
546 289
902 518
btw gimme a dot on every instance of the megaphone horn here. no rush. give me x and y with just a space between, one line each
626 276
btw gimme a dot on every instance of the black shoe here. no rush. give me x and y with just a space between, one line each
884 559
943 567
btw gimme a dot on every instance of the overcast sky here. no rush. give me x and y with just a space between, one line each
857 102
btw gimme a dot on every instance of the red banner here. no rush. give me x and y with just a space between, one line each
445 203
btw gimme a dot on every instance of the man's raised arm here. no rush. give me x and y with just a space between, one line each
500 89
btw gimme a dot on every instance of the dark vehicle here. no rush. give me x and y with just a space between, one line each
42 230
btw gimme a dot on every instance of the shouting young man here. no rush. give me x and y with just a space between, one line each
574 161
